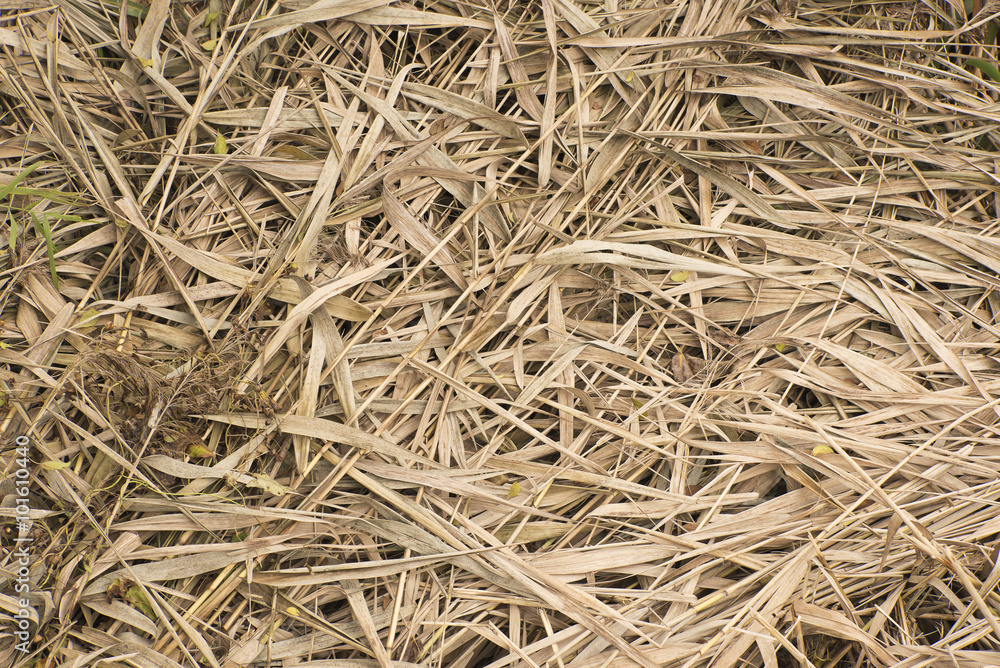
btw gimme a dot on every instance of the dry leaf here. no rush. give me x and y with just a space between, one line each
683 367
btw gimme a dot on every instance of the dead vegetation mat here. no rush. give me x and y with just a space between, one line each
558 333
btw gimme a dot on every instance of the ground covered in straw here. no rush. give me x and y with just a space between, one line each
365 333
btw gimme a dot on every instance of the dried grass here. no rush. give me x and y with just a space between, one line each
364 333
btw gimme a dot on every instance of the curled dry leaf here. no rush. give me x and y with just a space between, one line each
683 367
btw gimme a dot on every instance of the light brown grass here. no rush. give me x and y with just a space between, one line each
575 334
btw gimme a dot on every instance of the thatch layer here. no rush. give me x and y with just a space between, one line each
370 333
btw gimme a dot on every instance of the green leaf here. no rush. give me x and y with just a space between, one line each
42 226
9 188
44 193
214 10
133 9
220 144
139 600
638 404
987 68
88 315
200 450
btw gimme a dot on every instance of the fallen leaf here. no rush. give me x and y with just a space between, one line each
683 367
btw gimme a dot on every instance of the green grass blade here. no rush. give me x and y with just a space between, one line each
42 225
9 188
987 68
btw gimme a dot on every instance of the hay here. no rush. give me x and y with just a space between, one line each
531 334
